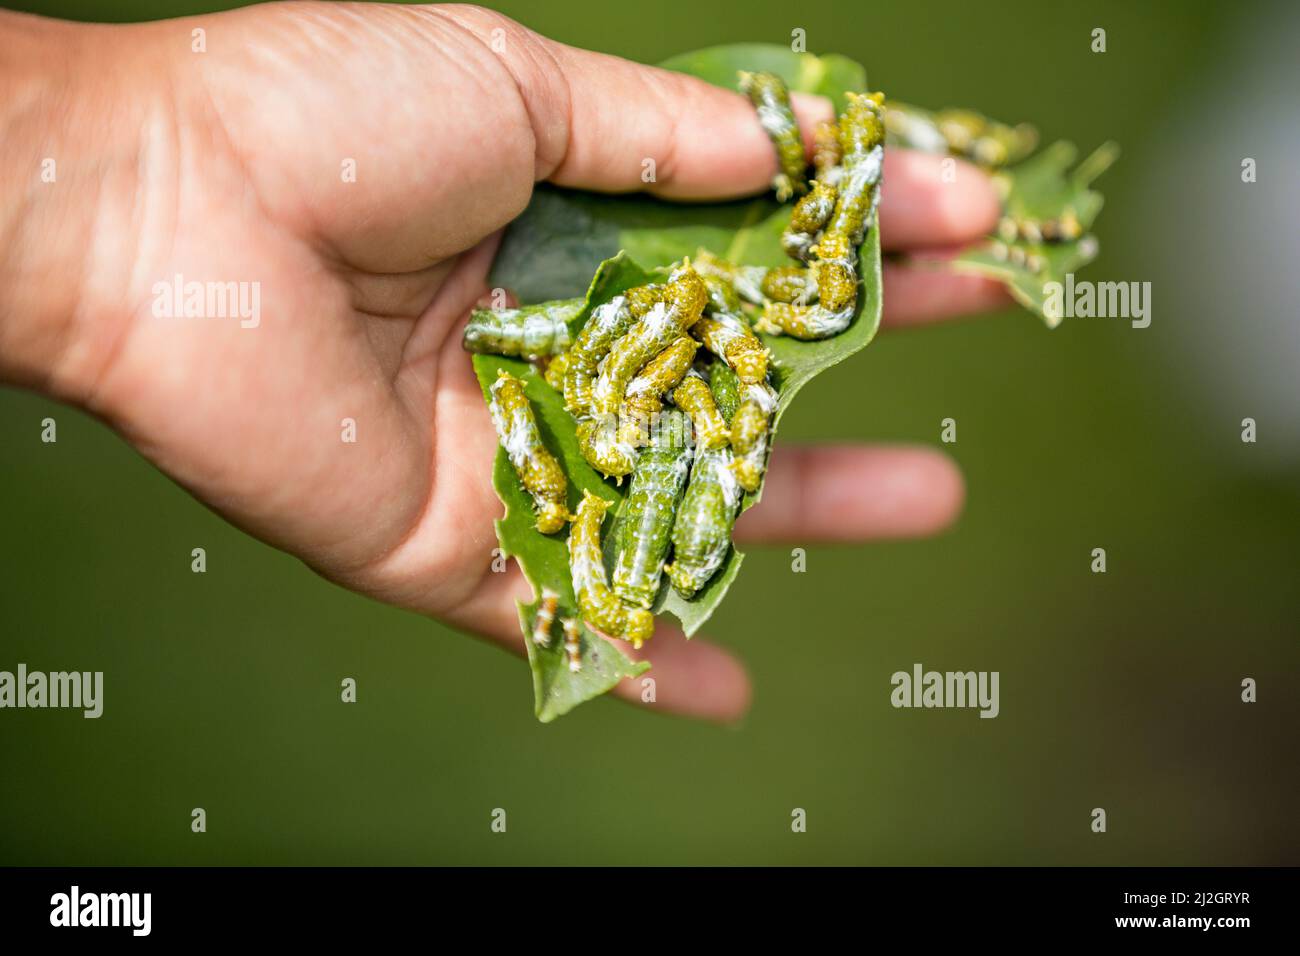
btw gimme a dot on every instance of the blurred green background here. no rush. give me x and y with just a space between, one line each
1118 690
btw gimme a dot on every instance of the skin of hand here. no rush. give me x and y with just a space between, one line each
227 164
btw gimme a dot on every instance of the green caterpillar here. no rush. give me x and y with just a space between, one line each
530 332
750 428
694 397
727 389
606 324
701 531
599 605
539 472
645 519
771 99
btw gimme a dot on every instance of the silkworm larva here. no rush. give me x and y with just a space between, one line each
750 429
599 605
804 322
603 328
572 643
747 281
545 617
961 133
555 370
530 332
836 273
539 472
643 298
987 142
694 397
749 424
862 127
809 216
827 153
645 392
726 388
722 294
730 338
604 450
790 284
1065 228
702 528
684 298
645 519
771 99
859 193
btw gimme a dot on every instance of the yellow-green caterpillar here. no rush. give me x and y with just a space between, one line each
695 398
827 153
531 332
645 519
836 273
599 605
606 324
539 472
790 284
861 128
771 99
603 447
805 322
555 371
810 214
1065 228
750 427
745 281
683 301
645 392
730 338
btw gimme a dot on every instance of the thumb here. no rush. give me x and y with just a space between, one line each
597 119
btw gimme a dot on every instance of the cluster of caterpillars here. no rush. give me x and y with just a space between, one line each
960 132
669 384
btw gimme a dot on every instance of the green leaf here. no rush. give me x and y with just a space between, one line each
1042 187
553 250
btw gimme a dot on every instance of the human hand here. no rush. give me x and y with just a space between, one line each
230 165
